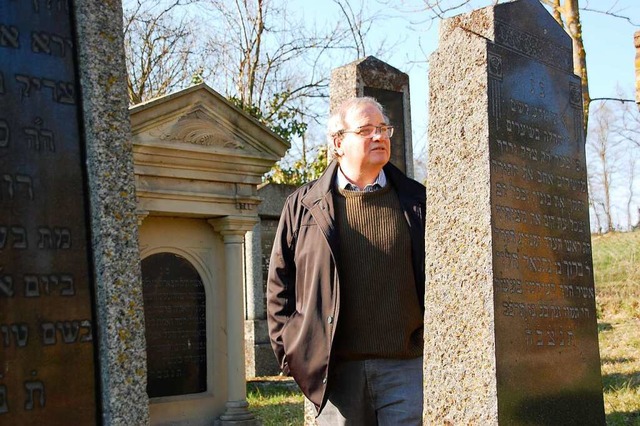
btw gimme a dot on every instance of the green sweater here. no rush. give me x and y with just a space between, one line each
380 315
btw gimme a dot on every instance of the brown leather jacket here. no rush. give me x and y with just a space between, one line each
303 291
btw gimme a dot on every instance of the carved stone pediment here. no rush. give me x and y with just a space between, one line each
198 128
200 119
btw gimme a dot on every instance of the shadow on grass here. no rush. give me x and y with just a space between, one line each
616 381
620 360
604 326
621 418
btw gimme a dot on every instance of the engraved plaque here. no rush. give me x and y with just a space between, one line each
545 317
175 326
47 371
393 105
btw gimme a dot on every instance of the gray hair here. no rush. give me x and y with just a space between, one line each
337 123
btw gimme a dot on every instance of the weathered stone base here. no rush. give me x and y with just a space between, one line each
260 360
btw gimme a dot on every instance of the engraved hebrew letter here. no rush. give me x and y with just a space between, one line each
51 84
88 337
32 388
9 180
25 180
4 126
48 333
31 287
22 334
6 285
33 139
4 408
9 37
69 330
68 288
3 236
65 93
63 238
40 43
47 140
44 280
46 240
19 237
24 79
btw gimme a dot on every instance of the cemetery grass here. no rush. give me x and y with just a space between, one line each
616 262
276 401
616 258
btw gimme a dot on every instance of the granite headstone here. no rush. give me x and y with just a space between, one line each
510 330
71 341
389 86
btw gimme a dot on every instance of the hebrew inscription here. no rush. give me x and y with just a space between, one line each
543 271
175 326
47 372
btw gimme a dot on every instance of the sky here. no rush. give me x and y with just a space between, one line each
608 43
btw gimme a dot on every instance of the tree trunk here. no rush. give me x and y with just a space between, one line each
574 28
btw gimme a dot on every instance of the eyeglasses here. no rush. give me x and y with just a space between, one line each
370 131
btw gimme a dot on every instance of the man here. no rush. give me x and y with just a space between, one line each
346 279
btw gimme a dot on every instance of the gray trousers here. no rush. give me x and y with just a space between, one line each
376 392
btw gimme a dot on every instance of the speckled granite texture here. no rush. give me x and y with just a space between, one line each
119 310
459 369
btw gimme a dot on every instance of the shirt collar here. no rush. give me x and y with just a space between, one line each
343 182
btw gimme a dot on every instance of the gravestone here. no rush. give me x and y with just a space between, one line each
175 326
390 87
71 330
510 327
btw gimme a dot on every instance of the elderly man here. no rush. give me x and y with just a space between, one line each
346 279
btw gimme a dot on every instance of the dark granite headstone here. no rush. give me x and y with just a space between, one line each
507 160
175 323
389 86
394 107
47 371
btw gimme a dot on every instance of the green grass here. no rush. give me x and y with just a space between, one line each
616 258
616 264
276 402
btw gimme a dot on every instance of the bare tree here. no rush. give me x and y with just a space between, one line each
160 47
277 66
631 175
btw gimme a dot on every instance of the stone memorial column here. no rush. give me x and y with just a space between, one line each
389 86
71 322
510 327
233 229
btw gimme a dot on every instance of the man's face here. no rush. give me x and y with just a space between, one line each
364 155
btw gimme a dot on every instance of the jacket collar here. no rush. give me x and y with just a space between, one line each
325 183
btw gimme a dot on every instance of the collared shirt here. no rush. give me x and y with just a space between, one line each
343 182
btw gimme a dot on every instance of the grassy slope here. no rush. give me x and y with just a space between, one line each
616 260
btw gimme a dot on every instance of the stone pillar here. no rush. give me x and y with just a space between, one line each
510 325
257 354
390 86
233 229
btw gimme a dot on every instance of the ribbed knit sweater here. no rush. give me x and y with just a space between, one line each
380 316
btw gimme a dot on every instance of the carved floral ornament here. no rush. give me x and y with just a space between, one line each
198 128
